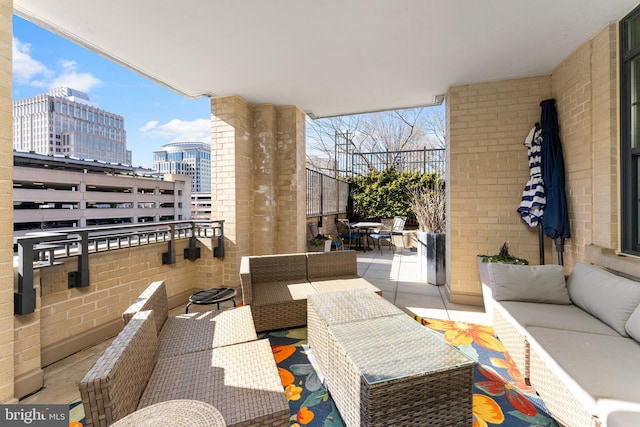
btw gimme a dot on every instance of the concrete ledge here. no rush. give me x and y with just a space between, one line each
28 383
625 265
463 298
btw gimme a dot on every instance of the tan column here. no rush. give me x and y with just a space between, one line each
257 179
6 208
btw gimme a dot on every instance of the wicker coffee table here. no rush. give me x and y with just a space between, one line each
387 369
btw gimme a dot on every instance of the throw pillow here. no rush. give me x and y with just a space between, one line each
529 283
604 295
633 324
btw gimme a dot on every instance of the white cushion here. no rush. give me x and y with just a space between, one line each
529 283
610 298
633 324
591 366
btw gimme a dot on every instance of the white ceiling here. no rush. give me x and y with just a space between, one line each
328 57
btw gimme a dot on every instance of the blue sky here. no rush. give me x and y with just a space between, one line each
153 115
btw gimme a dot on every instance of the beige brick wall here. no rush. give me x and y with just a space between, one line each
117 279
488 169
6 207
584 85
258 177
487 123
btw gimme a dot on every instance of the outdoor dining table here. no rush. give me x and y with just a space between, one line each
366 228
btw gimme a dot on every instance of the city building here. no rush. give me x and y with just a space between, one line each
51 191
65 121
186 158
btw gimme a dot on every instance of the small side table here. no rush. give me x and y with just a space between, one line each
212 296
181 413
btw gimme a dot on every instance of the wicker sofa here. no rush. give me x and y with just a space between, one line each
276 286
214 357
576 340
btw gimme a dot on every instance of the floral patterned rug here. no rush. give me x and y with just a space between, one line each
500 395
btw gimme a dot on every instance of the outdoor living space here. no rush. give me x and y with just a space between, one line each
396 274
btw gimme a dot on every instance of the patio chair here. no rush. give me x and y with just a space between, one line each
346 233
397 229
384 233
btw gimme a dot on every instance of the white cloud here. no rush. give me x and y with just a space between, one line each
180 130
27 70
149 126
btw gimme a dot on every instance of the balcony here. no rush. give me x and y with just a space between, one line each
396 274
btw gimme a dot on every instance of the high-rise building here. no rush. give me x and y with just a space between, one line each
186 158
64 121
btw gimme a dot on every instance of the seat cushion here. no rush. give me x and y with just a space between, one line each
617 413
343 284
591 366
610 298
281 292
186 333
240 380
554 316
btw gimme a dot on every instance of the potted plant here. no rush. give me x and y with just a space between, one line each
320 243
487 287
429 206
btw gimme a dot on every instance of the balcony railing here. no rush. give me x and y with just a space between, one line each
44 249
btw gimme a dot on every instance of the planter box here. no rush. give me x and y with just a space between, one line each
320 248
431 257
487 288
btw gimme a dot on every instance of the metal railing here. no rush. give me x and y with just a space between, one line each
325 195
425 160
45 249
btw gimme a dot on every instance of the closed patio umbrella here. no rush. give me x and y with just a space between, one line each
555 221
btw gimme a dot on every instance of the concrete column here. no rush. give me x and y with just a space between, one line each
258 179
7 364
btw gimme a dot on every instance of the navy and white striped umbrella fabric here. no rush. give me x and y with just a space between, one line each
533 197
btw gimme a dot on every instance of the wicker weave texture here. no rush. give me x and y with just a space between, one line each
187 333
241 381
369 386
181 413
560 402
516 344
279 316
278 268
153 298
111 388
327 309
322 265
344 284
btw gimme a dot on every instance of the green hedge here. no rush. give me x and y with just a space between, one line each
386 194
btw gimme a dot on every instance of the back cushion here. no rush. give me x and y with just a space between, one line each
529 283
112 387
606 296
153 298
324 265
633 324
278 268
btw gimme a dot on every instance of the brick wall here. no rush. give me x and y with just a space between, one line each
488 169
258 173
6 207
68 318
584 85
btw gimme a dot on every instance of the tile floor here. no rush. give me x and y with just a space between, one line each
397 274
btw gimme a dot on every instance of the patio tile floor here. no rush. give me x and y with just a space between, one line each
396 274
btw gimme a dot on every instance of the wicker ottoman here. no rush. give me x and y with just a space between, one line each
332 308
392 371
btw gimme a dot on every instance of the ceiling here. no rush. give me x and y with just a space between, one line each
329 57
